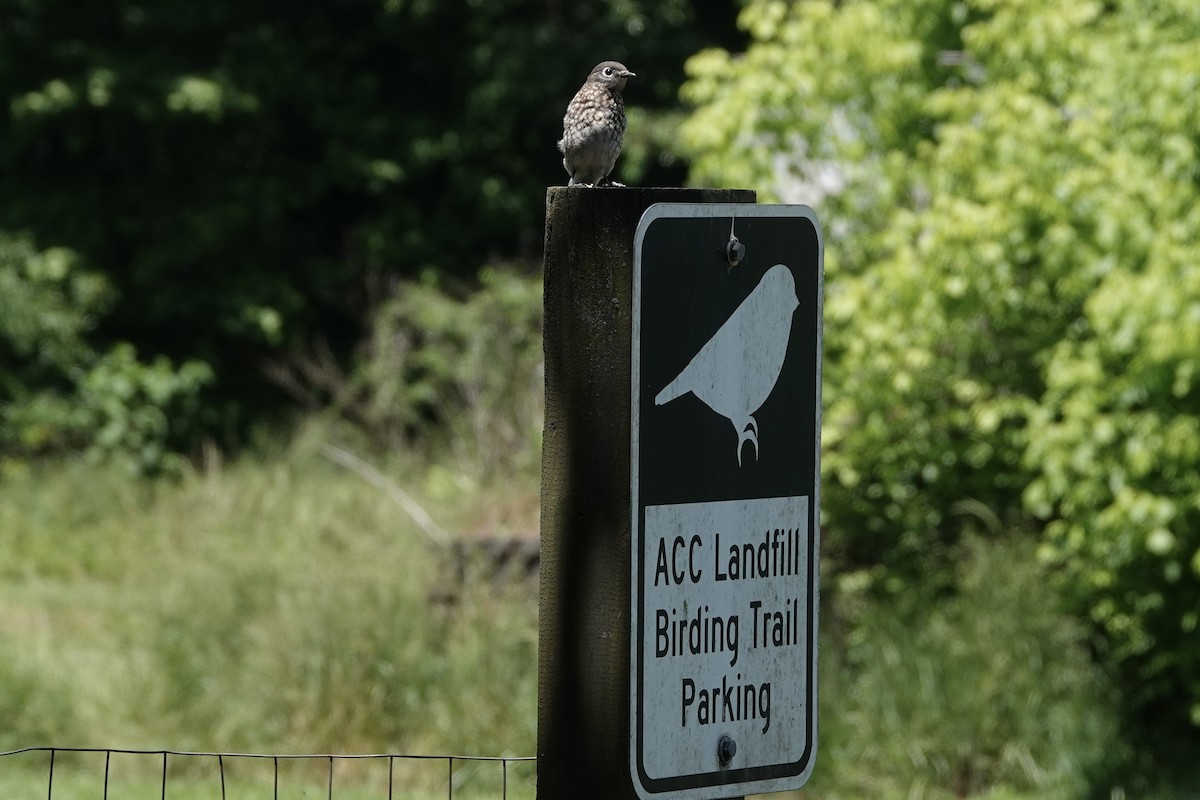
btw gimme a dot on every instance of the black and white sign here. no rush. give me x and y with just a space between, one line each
725 470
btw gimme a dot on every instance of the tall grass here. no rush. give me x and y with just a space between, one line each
287 605
989 690
281 606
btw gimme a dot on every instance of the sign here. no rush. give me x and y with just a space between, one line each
725 451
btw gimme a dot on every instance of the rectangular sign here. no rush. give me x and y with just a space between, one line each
713 667
725 452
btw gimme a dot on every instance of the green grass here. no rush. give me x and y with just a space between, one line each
286 605
988 691
133 777
281 606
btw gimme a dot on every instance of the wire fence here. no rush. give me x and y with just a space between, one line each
221 762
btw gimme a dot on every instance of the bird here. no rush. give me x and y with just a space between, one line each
737 369
594 125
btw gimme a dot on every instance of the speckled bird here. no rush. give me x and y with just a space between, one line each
594 125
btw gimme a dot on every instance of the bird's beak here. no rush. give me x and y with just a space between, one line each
628 74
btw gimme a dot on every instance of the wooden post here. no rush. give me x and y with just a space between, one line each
584 624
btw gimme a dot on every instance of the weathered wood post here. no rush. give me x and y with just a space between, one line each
584 626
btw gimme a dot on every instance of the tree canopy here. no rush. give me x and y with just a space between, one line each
247 178
1011 193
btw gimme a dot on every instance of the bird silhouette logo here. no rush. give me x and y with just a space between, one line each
736 370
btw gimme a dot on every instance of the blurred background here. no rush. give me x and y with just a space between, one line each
270 369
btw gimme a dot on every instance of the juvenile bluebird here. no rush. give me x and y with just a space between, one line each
595 125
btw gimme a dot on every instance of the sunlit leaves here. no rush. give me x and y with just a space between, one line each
1009 192
207 97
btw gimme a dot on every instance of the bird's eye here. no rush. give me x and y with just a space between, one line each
608 72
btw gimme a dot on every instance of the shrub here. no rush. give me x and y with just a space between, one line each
1116 447
461 368
58 391
1010 197
990 688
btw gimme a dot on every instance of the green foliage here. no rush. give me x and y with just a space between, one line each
347 664
458 367
472 366
1009 193
57 392
35 709
239 173
137 411
47 306
139 777
992 688
287 606
1117 449
284 607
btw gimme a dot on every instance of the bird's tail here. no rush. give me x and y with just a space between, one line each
676 388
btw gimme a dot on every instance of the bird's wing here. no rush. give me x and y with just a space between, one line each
702 369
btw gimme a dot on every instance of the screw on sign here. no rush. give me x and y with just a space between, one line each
726 331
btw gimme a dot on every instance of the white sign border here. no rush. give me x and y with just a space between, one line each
709 211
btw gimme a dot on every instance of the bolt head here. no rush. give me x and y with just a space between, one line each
726 750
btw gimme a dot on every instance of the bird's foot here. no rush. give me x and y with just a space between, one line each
748 434
607 181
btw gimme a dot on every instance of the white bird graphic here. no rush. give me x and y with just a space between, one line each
736 370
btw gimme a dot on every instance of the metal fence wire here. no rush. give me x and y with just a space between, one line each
219 761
